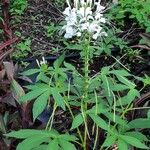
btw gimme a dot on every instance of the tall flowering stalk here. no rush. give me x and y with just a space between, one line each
85 20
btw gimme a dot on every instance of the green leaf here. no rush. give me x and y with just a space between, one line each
77 121
59 61
126 81
100 122
119 87
32 95
66 145
138 135
53 145
133 141
67 137
122 145
109 141
40 104
58 98
30 72
31 142
106 85
40 147
69 66
120 72
139 123
25 133
118 119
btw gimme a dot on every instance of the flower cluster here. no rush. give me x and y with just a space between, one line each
85 16
42 62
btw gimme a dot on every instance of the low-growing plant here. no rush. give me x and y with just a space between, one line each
138 10
18 7
22 49
104 100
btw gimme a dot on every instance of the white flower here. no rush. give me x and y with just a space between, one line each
82 18
40 63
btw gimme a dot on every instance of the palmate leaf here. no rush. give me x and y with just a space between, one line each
32 142
133 141
36 138
40 104
77 121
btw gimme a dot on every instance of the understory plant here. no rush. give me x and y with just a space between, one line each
104 99
138 10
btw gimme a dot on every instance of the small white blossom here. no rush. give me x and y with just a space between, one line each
40 63
82 18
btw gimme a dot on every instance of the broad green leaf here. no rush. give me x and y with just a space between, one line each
133 141
106 85
120 72
100 122
122 145
32 94
66 145
30 72
117 120
32 142
58 98
25 133
40 147
129 98
138 135
126 81
69 66
109 141
139 123
40 104
59 61
119 87
67 137
77 121
53 145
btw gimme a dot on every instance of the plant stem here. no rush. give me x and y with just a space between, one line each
85 88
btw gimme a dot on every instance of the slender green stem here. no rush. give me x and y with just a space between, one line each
50 121
86 87
72 115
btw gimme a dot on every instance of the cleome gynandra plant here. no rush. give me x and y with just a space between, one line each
104 100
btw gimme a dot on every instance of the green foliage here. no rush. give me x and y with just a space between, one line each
18 7
104 99
22 49
138 10
33 139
